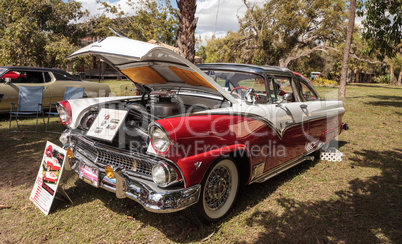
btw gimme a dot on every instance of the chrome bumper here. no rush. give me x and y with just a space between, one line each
146 193
151 199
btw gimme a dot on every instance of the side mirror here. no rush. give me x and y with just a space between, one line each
7 80
250 96
288 97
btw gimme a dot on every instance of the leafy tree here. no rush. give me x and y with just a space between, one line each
285 30
383 31
39 32
228 49
382 26
153 19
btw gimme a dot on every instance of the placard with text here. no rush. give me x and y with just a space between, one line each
48 178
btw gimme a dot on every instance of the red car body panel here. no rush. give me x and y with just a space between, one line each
231 133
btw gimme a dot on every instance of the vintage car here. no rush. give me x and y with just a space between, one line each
50 177
196 133
54 82
51 163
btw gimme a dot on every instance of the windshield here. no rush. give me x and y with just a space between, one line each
237 83
2 70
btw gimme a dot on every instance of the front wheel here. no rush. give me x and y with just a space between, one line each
218 192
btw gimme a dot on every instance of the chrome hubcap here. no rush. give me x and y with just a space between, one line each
217 188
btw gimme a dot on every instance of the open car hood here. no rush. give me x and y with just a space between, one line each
151 65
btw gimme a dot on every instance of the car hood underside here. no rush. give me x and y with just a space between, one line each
151 65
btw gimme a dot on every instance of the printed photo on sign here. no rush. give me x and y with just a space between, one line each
107 123
48 177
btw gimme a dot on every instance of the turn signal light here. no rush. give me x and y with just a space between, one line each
69 152
109 171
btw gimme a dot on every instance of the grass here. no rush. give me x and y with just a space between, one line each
357 200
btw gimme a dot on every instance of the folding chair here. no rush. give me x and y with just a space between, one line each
70 93
29 105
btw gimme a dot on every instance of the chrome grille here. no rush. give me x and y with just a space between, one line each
101 157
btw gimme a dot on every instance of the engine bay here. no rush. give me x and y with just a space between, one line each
143 110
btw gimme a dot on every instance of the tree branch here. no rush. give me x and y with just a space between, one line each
352 55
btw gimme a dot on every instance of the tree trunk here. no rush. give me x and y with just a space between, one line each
357 76
346 51
392 78
349 80
186 31
399 79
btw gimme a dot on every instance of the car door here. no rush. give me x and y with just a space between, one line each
22 77
323 117
59 83
286 113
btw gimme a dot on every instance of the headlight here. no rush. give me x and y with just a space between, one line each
87 121
159 139
163 175
65 113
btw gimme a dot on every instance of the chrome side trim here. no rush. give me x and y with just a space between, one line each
283 167
279 132
258 170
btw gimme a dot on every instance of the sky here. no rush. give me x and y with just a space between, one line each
229 11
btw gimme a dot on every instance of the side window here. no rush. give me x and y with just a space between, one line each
237 83
258 84
47 77
16 76
306 92
34 77
280 86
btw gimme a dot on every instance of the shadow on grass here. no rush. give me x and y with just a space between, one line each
176 226
395 101
21 153
368 212
375 85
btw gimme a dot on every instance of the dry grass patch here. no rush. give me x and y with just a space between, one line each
358 200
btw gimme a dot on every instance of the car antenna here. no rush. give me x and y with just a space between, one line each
116 32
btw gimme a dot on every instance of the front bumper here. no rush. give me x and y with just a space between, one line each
152 197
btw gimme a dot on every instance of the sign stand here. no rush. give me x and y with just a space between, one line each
64 196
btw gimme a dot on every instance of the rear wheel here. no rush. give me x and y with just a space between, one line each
218 192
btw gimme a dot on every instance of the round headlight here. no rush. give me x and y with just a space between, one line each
160 140
65 112
159 175
163 175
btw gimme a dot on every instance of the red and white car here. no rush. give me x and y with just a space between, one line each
50 177
196 133
51 163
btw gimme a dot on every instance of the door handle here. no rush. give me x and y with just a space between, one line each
303 106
